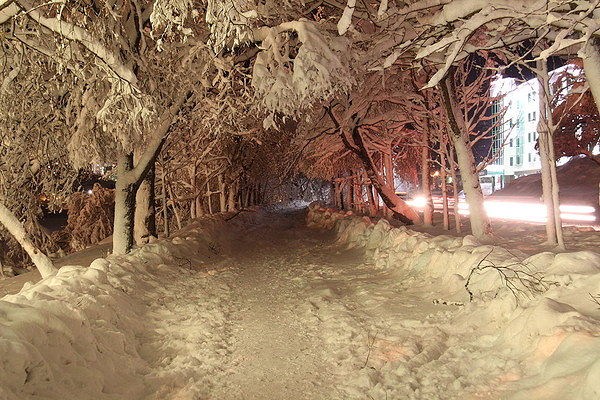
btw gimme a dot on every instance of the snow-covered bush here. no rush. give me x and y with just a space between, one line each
90 217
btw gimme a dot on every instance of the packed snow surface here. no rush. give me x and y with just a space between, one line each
260 306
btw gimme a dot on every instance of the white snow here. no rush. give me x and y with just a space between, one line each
546 342
261 307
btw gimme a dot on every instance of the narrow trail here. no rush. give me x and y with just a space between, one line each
286 314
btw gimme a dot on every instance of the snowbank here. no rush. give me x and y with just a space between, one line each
538 311
76 335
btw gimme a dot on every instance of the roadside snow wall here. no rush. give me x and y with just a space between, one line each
539 311
75 335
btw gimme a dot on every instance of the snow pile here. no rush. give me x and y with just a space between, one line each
578 180
87 332
535 318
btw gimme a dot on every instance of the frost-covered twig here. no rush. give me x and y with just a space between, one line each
516 276
596 298
370 343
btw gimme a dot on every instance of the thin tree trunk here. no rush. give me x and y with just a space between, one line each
426 182
199 206
208 197
547 158
222 198
372 205
164 201
174 206
455 208
375 198
480 223
12 224
247 194
192 170
345 200
443 177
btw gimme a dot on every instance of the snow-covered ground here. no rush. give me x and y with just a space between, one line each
262 307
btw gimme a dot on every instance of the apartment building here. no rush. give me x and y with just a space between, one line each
516 132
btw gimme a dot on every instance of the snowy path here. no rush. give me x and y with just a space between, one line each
261 307
287 315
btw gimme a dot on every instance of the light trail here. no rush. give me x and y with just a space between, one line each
516 210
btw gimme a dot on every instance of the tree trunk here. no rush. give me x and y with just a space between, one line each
547 158
443 177
231 196
455 207
480 223
388 172
371 197
222 198
398 207
129 178
12 224
193 186
145 212
375 198
426 182
124 206
174 206
591 66
164 202
358 194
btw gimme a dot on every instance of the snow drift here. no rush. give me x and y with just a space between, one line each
77 334
538 311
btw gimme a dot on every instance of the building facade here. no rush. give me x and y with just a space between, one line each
515 132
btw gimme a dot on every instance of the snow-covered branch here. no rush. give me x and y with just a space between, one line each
75 33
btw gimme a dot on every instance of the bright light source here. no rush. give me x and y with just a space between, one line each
417 202
516 210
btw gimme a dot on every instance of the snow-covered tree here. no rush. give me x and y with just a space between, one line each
33 156
575 114
123 101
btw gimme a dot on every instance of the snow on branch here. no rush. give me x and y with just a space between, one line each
230 23
119 121
126 110
449 29
172 14
75 33
298 67
346 19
